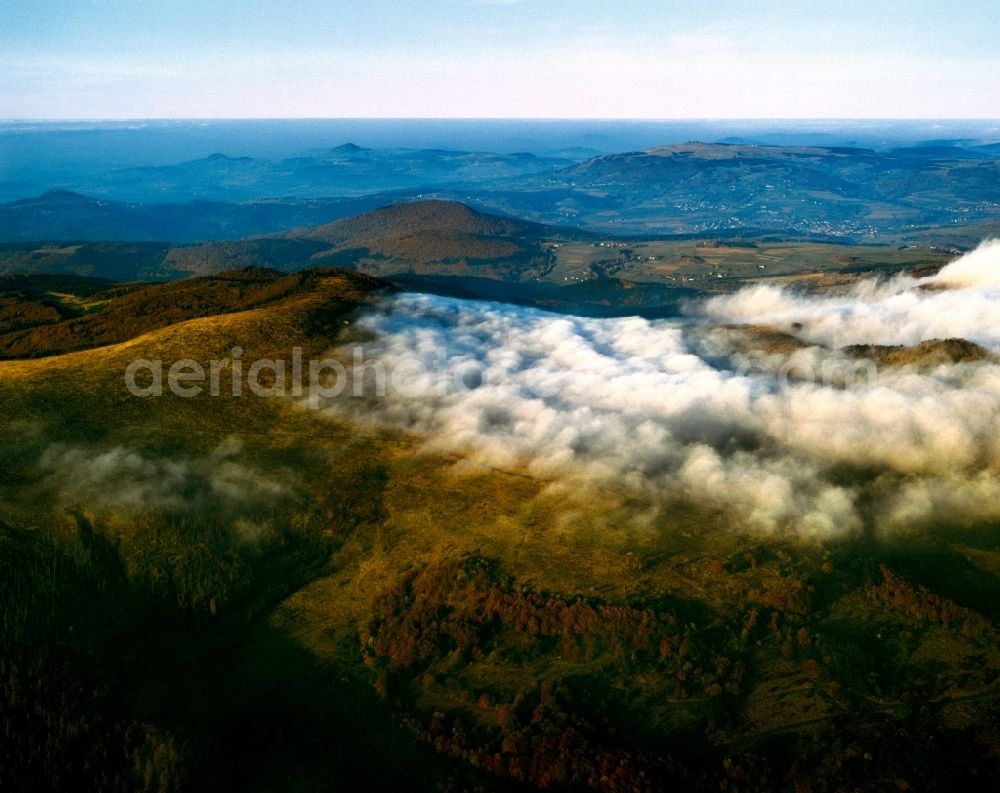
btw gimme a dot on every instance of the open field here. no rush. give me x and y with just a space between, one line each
711 264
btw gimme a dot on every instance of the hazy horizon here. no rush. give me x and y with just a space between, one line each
121 59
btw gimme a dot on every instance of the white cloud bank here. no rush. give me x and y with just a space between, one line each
960 301
672 408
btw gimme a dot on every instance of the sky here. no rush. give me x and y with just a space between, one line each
108 59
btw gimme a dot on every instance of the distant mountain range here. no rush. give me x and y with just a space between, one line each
343 171
850 193
60 215
843 193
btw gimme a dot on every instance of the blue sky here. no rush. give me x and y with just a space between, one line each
499 58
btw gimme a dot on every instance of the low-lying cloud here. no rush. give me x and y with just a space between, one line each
126 481
677 408
960 301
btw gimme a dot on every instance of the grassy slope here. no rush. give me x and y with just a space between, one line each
45 322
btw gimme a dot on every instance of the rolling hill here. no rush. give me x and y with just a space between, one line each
420 217
434 238
422 237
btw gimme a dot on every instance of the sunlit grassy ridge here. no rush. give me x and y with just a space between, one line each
239 593
52 323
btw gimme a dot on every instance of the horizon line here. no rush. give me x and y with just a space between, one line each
654 119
